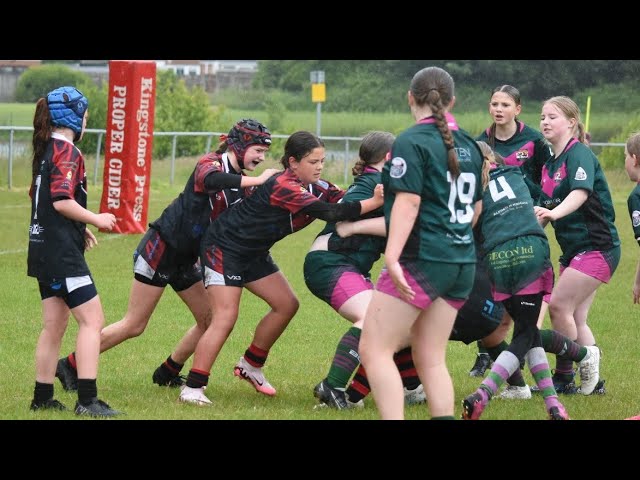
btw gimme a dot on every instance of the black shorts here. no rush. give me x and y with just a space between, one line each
156 263
220 268
74 290
480 315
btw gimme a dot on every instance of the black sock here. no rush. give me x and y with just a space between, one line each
354 396
497 350
42 392
170 368
174 366
87 390
197 379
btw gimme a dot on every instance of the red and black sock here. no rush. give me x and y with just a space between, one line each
197 378
256 356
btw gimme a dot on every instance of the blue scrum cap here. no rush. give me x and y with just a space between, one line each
67 106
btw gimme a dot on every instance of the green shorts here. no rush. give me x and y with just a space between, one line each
516 263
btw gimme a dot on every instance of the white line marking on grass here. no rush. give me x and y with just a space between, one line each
109 237
7 252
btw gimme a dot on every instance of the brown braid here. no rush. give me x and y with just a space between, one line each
358 167
433 86
489 158
492 135
41 134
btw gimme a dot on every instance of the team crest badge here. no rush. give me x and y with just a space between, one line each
581 174
398 167
635 218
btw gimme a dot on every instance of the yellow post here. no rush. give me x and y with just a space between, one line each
586 122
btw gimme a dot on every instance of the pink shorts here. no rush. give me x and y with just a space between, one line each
544 283
348 285
593 264
597 264
421 299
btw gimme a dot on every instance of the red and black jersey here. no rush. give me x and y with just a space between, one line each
214 185
276 209
56 243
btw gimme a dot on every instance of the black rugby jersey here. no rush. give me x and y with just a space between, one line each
204 197
56 243
271 213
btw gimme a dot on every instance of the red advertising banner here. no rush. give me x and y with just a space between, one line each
128 145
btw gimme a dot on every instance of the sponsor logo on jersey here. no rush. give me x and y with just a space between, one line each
488 307
464 154
522 154
581 174
36 229
398 167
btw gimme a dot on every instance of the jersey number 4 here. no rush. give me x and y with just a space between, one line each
505 191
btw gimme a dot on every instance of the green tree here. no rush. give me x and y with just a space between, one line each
37 81
177 108
613 157
180 109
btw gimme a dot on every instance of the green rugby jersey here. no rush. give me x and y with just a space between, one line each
442 231
633 203
527 149
362 251
507 208
591 227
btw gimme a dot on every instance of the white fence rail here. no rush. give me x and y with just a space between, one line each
12 149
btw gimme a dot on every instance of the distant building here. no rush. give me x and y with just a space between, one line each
211 75
98 70
10 71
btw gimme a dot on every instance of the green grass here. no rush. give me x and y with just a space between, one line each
298 360
17 114
342 124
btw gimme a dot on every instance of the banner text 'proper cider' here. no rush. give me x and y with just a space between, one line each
128 145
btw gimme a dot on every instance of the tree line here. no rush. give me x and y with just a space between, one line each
356 85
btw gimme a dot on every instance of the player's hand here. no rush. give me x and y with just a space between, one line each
105 221
344 229
397 276
268 173
544 215
90 239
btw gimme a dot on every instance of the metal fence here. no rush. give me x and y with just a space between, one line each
12 148
342 153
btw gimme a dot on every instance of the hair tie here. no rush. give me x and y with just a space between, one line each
449 147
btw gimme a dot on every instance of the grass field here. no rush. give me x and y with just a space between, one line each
347 124
298 361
